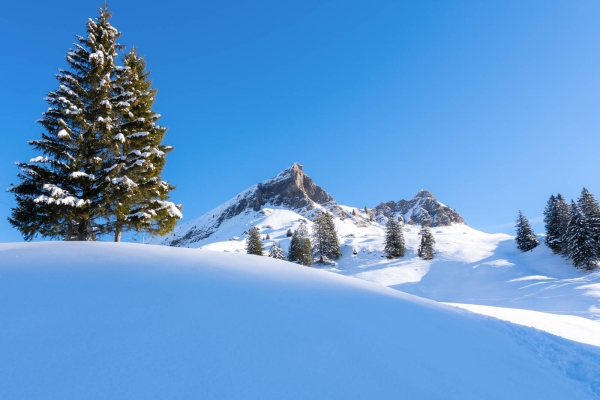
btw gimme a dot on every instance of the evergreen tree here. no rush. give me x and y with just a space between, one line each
253 242
102 152
426 251
137 194
300 247
590 209
61 194
325 238
526 239
580 243
394 238
562 220
289 233
276 251
552 223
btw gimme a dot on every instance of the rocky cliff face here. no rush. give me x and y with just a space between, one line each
420 206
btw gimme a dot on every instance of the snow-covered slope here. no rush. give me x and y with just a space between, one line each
125 321
470 267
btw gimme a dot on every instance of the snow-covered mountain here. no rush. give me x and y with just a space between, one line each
125 321
294 191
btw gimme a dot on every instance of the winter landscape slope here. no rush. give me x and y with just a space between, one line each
106 320
470 267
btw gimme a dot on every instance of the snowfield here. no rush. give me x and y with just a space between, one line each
126 321
471 268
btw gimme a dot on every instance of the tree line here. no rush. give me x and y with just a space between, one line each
572 230
323 244
102 151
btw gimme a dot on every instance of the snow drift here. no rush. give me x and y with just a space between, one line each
105 320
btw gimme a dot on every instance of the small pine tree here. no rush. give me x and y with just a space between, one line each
325 238
267 237
289 233
353 212
253 242
590 209
552 225
300 247
426 251
394 239
562 220
526 239
581 248
276 251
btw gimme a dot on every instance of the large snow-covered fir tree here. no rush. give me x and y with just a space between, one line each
526 239
581 247
276 251
394 238
77 189
138 195
426 251
300 247
253 242
325 238
61 194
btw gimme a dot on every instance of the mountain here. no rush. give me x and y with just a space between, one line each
421 205
126 321
294 190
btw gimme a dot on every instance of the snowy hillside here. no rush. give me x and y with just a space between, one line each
125 321
470 267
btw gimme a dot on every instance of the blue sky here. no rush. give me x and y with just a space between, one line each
492 106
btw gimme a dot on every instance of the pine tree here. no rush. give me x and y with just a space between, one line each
562 216
581 247
253 242
325 238
526 239
61 194
137 194
276 251
300 247
426 251
394 239
289 233
590 209
552 223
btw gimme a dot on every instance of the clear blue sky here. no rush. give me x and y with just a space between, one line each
491 105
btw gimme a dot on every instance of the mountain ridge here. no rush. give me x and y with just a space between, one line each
294 190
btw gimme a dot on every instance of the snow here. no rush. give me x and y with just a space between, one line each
63 134
138 134
470 267
81 174
118 320
568 326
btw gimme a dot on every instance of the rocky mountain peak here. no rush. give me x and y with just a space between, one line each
291 189
424 194
422 203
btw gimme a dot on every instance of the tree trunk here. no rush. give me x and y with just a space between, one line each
82 233
118 233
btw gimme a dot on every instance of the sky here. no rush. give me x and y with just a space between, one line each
492 106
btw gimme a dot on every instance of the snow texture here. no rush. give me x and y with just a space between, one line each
130 321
